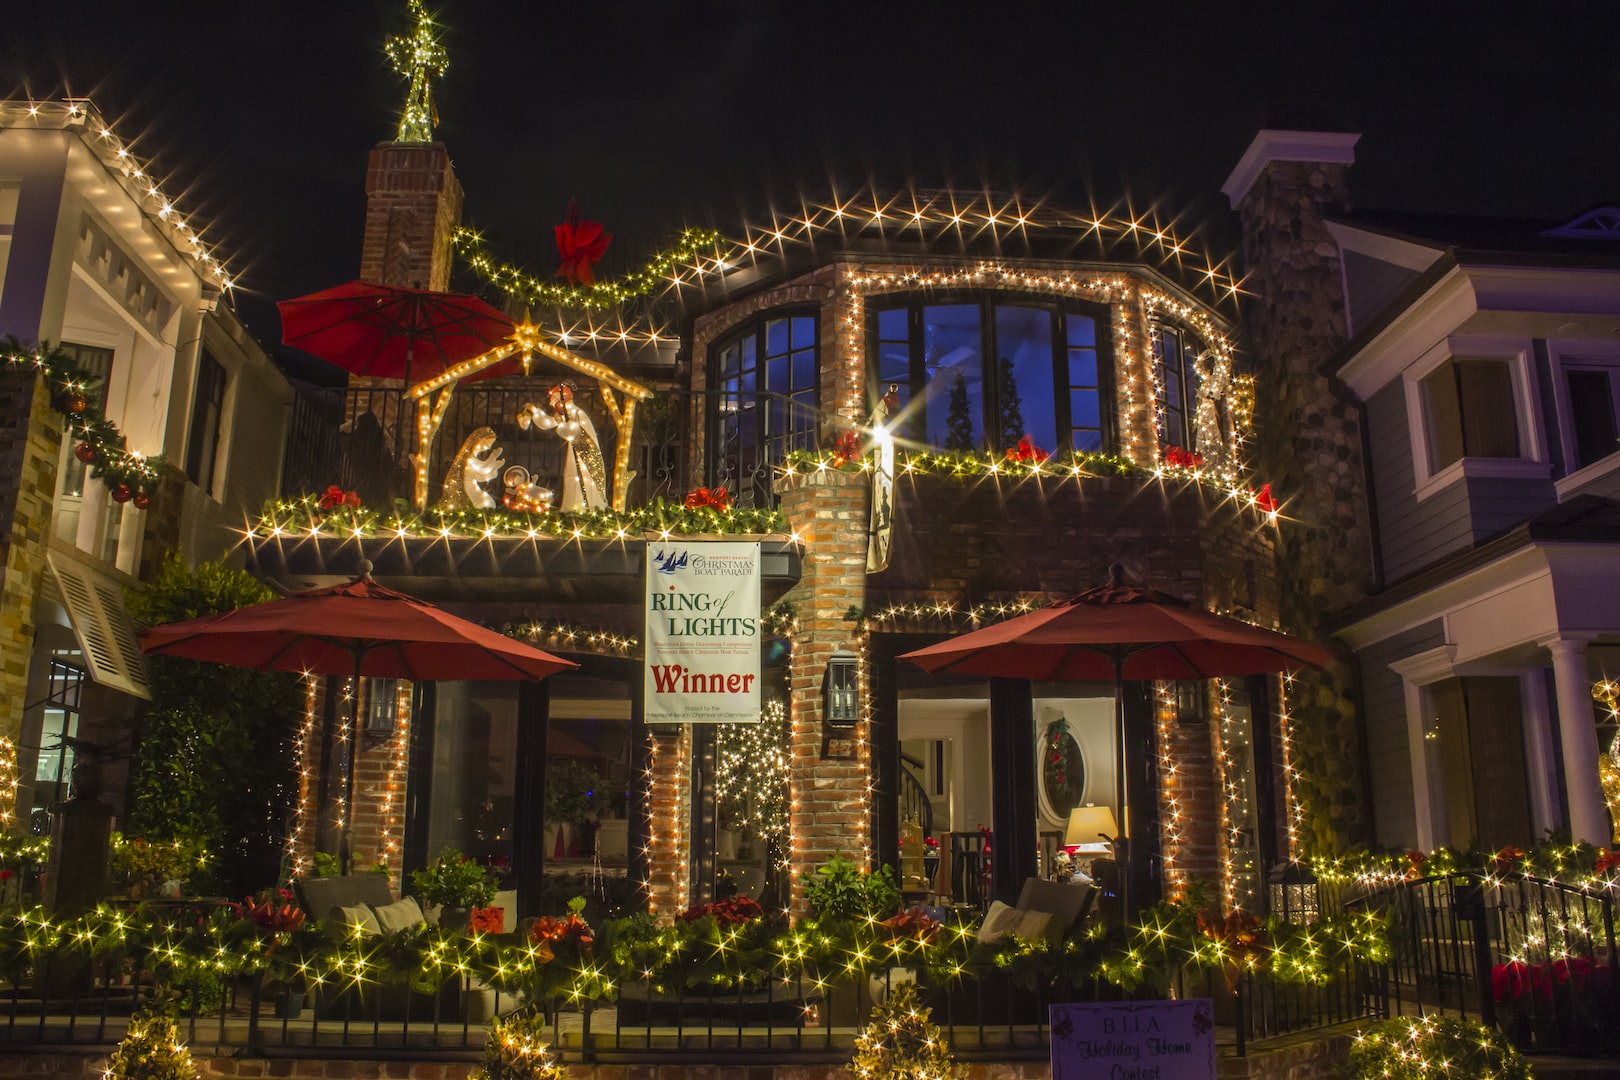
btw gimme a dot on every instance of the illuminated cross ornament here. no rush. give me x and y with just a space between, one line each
525 342
419 58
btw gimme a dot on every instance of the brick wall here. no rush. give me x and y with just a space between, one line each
413 202
1309 449
30 441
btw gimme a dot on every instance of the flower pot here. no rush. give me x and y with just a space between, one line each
454 918
289 1004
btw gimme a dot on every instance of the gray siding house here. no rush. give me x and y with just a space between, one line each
1485 356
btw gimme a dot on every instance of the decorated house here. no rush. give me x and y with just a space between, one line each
156 428
1480 358
929 410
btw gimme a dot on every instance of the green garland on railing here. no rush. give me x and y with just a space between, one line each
308 516
99 443
976 466
1556 859
722 948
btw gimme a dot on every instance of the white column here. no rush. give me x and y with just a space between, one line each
1577 732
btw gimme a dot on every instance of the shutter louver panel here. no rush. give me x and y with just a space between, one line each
95 606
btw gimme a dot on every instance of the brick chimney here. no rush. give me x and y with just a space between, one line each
413 203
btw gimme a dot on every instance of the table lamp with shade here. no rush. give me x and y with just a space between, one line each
1092 831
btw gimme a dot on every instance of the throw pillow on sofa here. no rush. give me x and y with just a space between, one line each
400 915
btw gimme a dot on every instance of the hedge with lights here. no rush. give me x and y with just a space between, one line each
308 516
1420 1048
1581 865
98 442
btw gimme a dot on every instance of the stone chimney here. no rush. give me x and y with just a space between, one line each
413 203
1309 448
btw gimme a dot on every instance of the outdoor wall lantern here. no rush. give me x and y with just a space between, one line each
1296 896
840 690
1190 700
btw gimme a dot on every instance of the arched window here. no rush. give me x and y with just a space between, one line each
763 401
981 373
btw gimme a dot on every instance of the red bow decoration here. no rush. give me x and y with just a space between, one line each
1181 458
1415 860
1605 861
1507 860
847 448
1263 500
1027 452
334 497
580 243
712 498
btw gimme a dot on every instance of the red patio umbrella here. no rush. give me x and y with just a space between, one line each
392 332
359 628
1118 631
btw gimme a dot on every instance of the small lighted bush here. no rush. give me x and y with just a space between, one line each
152 1049
901 1042
1432 1048
516 1050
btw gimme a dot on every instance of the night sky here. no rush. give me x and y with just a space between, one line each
654 115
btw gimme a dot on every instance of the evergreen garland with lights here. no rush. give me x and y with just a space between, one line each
152 1050
1426 1047
901 1042
516 1049
692 245
99 443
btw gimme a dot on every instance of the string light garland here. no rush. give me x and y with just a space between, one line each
286 519
1173 839
948 217
688 254
388 850
8 783
1239 872
101 445
298 864
128 170
752 774
1291 778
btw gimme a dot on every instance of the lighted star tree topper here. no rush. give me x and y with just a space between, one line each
420 59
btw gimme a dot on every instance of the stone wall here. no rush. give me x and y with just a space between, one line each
1309 450
30 442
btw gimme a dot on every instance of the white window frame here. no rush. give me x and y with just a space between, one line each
1533 461
1587 354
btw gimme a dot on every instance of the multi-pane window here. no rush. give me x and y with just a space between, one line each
1469 411
1594 406
97 363
53 769
202 447
766 402
983 374
1176 355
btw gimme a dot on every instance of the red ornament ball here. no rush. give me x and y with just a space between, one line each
121 493
85 452
77 403
142 500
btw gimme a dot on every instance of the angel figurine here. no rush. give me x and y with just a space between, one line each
584 479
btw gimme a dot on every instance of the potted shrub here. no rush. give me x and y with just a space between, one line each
456 885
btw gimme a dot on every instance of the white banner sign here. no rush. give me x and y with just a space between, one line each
703 635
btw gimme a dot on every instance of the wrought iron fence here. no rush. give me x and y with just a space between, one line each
1534 958
364 439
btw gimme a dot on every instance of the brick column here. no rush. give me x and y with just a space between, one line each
669 824
831 813
1309 449
30 442
413 204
